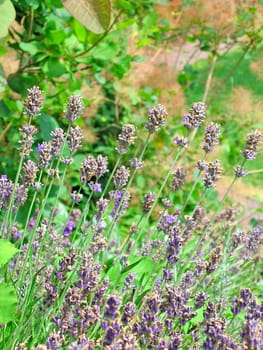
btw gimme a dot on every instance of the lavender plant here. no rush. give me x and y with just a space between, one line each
86 280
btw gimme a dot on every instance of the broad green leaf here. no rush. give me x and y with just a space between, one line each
47 124
93 14
7 15
8 302
7 251
32 47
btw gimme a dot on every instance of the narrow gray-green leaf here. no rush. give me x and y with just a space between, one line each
95 15
7 15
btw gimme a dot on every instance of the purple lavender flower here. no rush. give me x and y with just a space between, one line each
95 187
195 116
240 171
75 138
30 172
136 163
75 108
34 102
72 222
254 139
6 188
212 174
126 138
58 138
27 133
112 308
129 310
119 196
156 118
148 202
45 154
102 163
121 177
21 194
178 179
181 141
88 169
211 137
76 197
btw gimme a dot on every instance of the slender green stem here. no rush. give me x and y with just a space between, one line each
12 197
114 221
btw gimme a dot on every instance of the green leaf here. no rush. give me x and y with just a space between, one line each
7 16
3 81
32 47
54 68
95 15
8 302
105 51
47 124
7 251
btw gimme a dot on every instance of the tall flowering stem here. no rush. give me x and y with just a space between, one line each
113 223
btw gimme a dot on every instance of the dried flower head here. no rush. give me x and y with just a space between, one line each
156 118
195 116
34 101
75 108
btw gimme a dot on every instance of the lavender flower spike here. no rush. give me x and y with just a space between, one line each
156 118
34 102
195 116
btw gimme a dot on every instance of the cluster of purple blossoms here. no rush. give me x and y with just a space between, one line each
211 137
6 188
92 167
45 154
126 138
74 108
213 173
195 116
156 118
30 170
178 179
75 138
34 102
72 222
148 202
58 138
254 139
181 141
136 163
27 133
121 202
121 177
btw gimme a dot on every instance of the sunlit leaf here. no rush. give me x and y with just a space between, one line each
7 251
7 15
8 301
93 14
